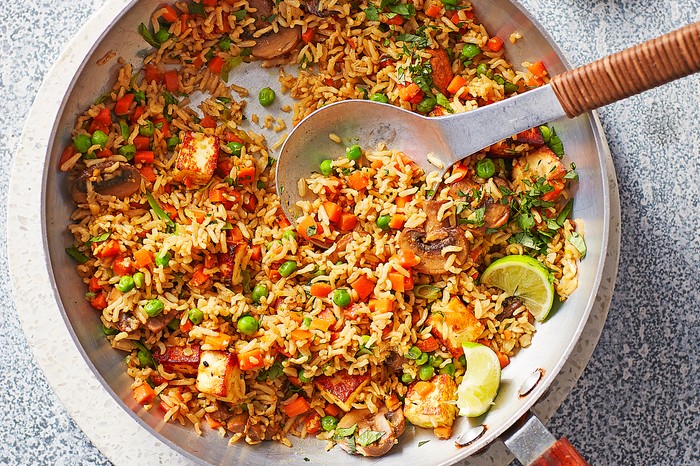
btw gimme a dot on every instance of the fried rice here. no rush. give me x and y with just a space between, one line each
201 254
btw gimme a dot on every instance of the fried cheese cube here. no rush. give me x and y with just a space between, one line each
183 359
541 163
454 325
341 388
219 375
431 404
197 158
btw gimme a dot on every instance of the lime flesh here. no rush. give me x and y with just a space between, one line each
479 386
525 278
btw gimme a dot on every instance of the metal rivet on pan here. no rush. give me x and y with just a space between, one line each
531 382
470 435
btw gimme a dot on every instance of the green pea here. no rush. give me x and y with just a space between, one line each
195 315
406 378
139 279
303 378
162 35
260 291
328 423
379 98
482 68
414 353
341 297
247 325
148 129
485 168
449 369
109 330
499 80
427 104
470 51
127 151
306 322
235 148
326 167
422 359
99 138
266 96
383 221
288 268
153 307
426 372
172 142
126 283
260 184
289 234
82 143
163 258
225 43
509 87
462 360
353 152
436 360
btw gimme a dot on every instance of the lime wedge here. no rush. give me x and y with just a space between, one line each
481 380
526 278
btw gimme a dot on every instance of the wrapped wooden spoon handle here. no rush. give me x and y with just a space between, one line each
629 72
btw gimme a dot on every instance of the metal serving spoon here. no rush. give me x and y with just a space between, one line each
451 138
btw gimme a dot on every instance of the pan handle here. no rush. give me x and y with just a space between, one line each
630 71
533 445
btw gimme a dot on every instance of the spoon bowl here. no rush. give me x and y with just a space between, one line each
436 143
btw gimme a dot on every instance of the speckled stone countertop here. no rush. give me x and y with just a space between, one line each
637 401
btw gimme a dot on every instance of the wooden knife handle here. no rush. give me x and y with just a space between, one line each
562 453
629 72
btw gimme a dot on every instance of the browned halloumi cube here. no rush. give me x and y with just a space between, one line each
454 325
341 388
219 375
183 359
431 404
541 163
197 158
532 136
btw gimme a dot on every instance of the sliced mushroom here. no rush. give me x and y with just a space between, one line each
390 424
394 362
237 423
263 9
434 229
463 188
127 323
510 305
496 214
158 323
277 43
430 252
120 181
312 6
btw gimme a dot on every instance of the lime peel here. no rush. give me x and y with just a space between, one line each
481 380
523 277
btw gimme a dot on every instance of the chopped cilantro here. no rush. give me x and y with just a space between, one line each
371 13
578 242
423 442
369 436
420 41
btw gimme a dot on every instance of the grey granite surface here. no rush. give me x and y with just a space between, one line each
638 402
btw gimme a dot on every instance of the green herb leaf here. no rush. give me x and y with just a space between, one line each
369 436
147 36
407 10
561 218
478 219
371 13
311 231
196 8
240 14
423 442
77 255
161 213
98 239
577 240
555 144
526 240
124 129
526 221
571 175
444 102
341 432
420 42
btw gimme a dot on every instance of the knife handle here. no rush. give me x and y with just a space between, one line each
629 72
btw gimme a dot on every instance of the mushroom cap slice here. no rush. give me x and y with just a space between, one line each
390 423
277 43
430 252
121 181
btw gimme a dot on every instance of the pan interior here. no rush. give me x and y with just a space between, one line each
550 347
